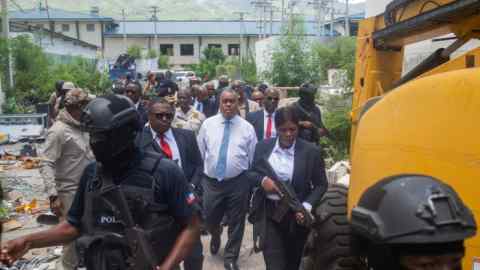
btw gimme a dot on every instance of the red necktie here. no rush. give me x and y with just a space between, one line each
165 147
268 134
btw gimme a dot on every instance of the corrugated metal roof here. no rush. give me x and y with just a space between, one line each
196 28
54 14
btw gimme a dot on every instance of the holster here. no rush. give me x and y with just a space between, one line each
102 252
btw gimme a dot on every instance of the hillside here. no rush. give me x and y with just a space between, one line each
168 9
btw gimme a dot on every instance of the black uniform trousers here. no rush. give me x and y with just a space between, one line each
284 241
195 260
227 197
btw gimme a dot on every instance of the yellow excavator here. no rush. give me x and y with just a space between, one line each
421 122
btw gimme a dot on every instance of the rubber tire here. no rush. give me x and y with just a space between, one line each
329 245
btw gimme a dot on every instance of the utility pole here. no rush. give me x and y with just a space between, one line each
271 21
347 18
242 29
332 17
124 31
5 35
154 11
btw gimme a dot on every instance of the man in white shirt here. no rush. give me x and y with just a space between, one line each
227 144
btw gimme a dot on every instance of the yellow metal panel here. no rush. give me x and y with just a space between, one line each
428 126
374 70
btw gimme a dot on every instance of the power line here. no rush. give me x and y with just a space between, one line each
17 6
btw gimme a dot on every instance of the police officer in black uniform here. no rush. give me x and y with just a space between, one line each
159 199
412 222
311 127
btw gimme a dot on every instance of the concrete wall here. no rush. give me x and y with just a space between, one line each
94 38
61 47
114 46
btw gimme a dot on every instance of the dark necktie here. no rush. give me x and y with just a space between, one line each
268 133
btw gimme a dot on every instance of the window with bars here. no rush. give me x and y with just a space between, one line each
166 49
186 49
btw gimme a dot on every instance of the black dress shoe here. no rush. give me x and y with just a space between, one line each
215 243
231 266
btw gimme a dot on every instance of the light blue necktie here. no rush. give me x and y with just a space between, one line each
199 106
222 155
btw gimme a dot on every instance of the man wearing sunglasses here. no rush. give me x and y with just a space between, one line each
179 145
262 121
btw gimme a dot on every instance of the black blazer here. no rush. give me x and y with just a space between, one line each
256 119
309 179
143 115
209 107
192 163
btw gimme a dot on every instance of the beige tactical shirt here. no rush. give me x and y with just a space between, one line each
192 120
252 107
65 154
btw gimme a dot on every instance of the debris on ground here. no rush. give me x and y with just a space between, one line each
339 173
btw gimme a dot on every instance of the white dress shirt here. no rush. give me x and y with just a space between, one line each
265 122
241 146
170 139
282 161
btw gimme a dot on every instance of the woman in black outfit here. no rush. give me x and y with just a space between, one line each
300 163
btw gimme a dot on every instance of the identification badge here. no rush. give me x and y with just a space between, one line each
476 264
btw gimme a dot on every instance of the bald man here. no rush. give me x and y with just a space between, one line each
186 116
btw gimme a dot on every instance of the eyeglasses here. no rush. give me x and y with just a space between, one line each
160 116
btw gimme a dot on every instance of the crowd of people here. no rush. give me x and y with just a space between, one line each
159 164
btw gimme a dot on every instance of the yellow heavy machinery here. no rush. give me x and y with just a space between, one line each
423 122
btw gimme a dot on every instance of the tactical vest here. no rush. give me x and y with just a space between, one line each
103 244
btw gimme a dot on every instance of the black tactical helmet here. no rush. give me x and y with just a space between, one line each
112 122
107 113
412 209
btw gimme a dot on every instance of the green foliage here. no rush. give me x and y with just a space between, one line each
162 61
244 69
35 74
338 54
336 117
135 51
290 57
151 53
212 57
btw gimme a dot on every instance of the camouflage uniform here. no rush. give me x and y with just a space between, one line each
192 120
66 153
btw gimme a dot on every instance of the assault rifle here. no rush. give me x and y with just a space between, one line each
141 252
288 198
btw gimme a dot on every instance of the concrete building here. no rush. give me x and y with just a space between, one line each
184 41
86 27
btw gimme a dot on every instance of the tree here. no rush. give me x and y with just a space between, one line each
290 65
35 74
338 54
135 51
212 57
151 54
163 61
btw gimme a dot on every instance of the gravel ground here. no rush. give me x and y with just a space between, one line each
29 185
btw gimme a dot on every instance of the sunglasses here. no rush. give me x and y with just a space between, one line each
160 116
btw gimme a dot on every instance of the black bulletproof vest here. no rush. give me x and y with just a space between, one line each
102 219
